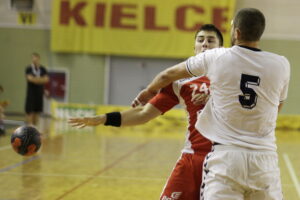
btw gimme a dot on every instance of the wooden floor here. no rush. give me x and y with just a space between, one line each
111 164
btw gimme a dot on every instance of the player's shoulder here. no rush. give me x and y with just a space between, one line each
278 58
217 51
43 67
210 54
191 80
28 68
275 55
185 80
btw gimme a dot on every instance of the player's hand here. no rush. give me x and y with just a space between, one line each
142 98
32 79
86 121
200 98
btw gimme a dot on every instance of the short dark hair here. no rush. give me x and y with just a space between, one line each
36 54
211 28
251 23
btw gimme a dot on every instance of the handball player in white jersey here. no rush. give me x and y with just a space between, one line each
248 87
185 180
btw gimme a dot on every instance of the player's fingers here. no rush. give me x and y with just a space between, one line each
78 123
75 124
197 103
135 102
82 126
73 120
201 99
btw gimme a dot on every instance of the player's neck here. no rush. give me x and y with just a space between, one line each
36 65
248 44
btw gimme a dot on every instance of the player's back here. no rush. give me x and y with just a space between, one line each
247 86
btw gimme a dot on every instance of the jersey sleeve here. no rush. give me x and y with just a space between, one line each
165 100
28 71
284 91
199 65
44 71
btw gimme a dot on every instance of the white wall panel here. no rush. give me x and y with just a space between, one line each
282 17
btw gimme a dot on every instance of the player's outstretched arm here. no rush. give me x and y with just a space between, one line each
130 117
163 79
87 121
139 115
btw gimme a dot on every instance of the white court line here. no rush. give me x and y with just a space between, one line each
5 147
292 173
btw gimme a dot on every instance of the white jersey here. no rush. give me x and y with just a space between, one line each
247 86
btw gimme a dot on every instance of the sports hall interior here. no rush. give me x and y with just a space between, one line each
118 163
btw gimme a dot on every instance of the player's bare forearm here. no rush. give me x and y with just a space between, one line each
168 76
139 115
38 80
163 79
42 80
130 117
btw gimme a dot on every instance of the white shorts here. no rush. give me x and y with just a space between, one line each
234 173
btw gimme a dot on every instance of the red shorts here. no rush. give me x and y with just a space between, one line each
185 180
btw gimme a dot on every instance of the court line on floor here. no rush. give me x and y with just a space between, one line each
108 167
5 147
292 173
86 176
5 169
99 177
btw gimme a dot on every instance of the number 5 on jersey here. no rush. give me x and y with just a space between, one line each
249 98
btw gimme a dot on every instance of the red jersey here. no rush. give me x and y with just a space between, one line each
185 92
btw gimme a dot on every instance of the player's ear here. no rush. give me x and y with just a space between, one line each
219 44
237 33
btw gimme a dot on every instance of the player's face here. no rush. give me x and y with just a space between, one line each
35 60
206 40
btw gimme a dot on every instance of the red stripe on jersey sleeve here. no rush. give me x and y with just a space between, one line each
165 100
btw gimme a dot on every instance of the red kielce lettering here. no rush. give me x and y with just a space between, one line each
118 13
100 14
66 13
181 17
124 16
219 18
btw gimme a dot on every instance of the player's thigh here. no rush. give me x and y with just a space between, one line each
217 190
182 183
223 176
264 177
266 195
